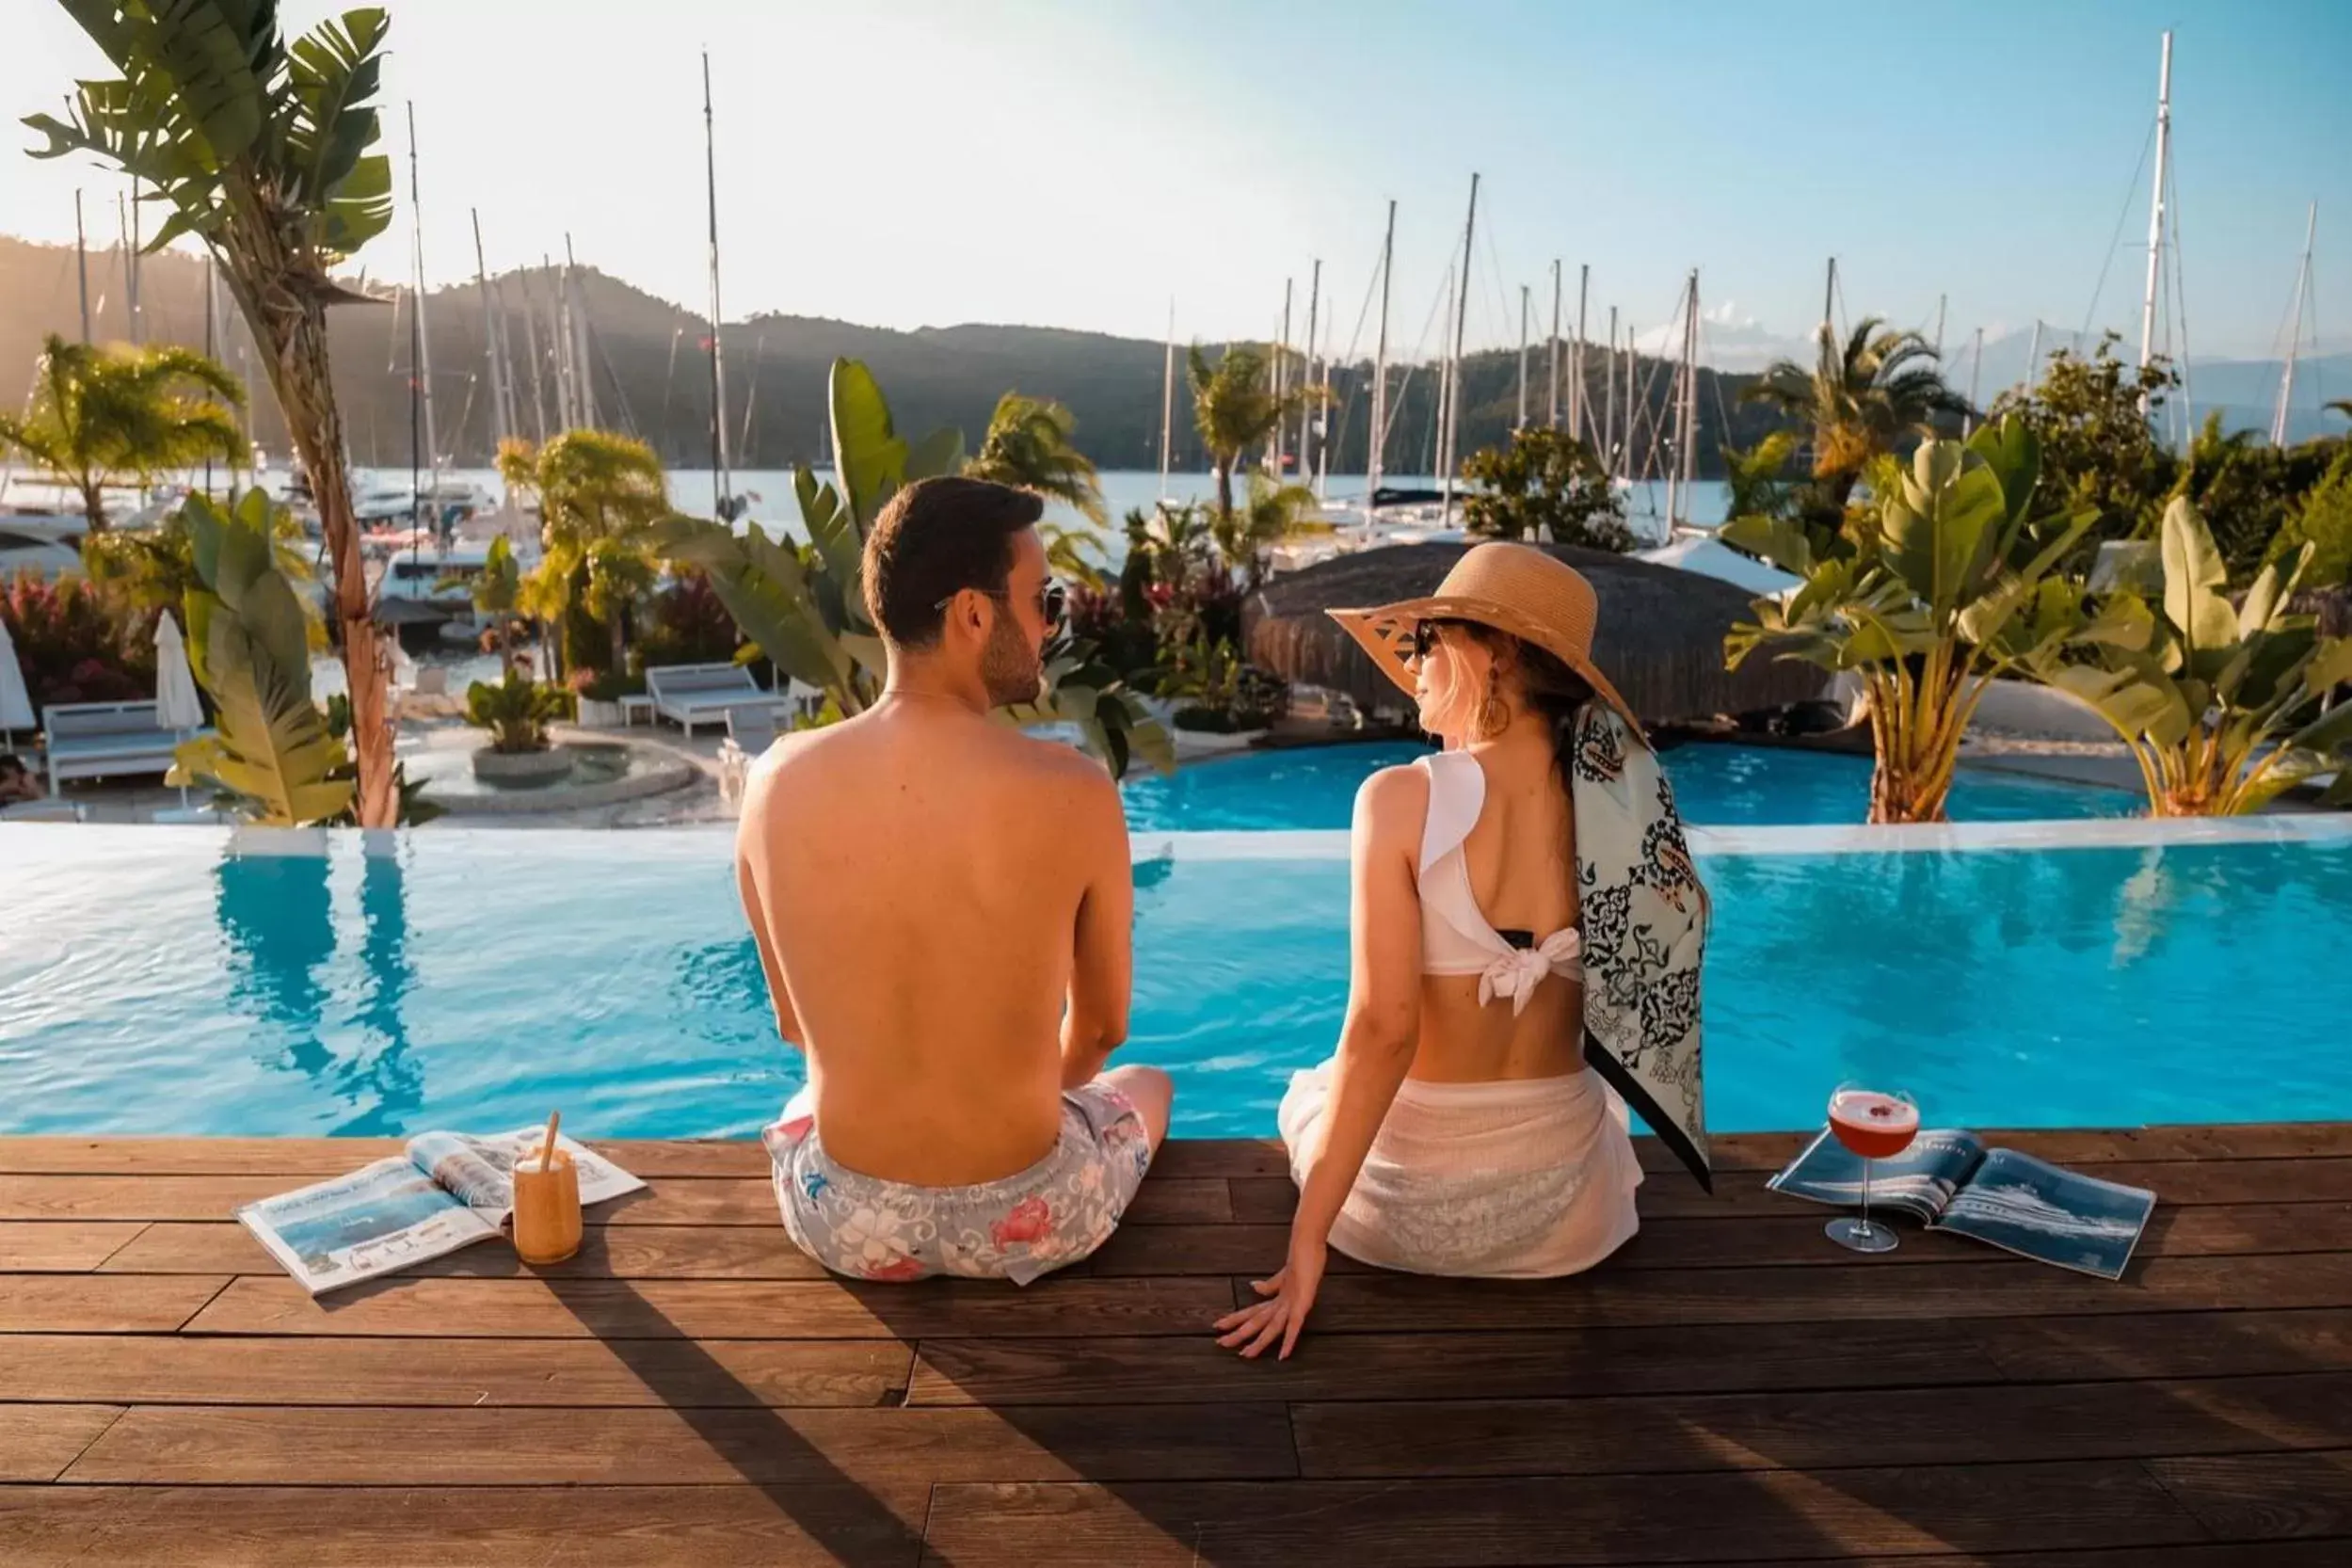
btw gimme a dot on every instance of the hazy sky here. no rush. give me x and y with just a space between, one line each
1076 161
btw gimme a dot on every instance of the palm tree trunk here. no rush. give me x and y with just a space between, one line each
1225 486
294 328
94 488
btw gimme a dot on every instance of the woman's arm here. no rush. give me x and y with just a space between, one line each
1376 1045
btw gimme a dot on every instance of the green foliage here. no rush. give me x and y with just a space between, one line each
1219 693
805 607
1029 447
154 568
1953 586
233 129
1859 399
2099 448
2218 703
1235 406
1269 513
1545 485
78 641
102 414
2324 522
516 711
249 646
600 495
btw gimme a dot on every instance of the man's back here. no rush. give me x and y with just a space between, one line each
921 882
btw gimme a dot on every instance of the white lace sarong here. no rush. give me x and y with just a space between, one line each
1515 1180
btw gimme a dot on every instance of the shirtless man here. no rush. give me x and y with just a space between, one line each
942 907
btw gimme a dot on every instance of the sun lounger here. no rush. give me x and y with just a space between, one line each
695 695
752 729
104 740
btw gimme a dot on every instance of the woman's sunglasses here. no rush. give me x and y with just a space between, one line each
1424 638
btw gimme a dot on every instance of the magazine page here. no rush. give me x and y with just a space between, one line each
474 1171
1919 1181
599 1178
379 1217
2044 1211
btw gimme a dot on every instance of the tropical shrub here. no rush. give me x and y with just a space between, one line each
78 642
1859 400
1220 695
516 711
601 494
2090 418
804 606
2323 523
103 413
1544 484
271 752
1235 406
1030 447
2218 704
1952 589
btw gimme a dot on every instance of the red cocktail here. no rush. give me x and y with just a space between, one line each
1876 1125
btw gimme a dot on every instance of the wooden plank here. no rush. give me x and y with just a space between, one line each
712 1309
672 1201
2151 1345
611 1252
39 1441
2274 1553
265 1446
307 1527
1706 1358
1267 1200
490 1373
1574 1520
2271 1497
1610 1297
32 1247
2220 1230
1793 1430
1434 1365
1218 1158
97 1304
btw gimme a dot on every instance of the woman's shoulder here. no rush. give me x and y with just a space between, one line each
1393 801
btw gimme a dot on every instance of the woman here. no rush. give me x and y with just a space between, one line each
1523 902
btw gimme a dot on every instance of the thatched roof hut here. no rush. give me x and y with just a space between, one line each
1661 634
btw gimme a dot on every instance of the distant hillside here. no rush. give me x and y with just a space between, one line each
653 376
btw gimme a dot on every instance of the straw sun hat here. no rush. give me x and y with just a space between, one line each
1511 588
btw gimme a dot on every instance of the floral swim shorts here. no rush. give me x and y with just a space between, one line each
1055 1214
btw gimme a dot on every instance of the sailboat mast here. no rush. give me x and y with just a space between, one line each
81 263
1274 442
2033 359
583 368
1609 428
212 348
499 412
420 373
2155 212
1379 436
1976 381
1551 410
530 343
133 267
1461 319
1167 398
1519 421
1578 420
2302 292
1308 407
1322 420
718 358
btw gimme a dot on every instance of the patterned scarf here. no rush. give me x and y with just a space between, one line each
1644 924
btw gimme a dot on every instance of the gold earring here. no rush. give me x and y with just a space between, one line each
1493 714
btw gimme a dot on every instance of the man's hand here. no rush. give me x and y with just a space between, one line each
1290 1295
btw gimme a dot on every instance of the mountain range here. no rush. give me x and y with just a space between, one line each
651 373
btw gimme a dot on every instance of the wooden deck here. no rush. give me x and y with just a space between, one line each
1729 1389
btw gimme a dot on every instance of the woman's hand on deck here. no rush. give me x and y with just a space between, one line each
1290 1296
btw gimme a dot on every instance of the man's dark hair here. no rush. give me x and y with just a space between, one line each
936 538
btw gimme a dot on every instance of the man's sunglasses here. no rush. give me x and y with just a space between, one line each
1052 601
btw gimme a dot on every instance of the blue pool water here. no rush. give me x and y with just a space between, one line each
1718 785
150 982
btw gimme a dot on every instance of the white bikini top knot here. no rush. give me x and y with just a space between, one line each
1456 937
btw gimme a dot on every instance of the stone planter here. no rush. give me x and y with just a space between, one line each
521 767
599 715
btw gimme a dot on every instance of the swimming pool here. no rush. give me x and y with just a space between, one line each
1314 787
152 981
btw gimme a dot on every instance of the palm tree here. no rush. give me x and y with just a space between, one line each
599 496
262 151
2343 405
1271 514
1234 408
1029 447
1860 398
102 414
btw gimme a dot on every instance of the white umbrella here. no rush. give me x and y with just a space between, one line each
16 703
177 706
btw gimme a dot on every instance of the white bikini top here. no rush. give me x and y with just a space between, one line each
1456 937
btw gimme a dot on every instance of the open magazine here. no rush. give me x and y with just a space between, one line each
1949 1180
445 1191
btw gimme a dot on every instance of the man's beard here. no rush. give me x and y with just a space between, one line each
1009 667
